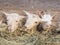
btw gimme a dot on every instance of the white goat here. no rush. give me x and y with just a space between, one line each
47 21
32 20
13 20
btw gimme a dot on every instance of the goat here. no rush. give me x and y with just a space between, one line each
32 20
47 21
13 20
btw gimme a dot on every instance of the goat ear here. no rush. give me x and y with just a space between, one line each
42 12
5 13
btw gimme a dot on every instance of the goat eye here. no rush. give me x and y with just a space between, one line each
35 22
16 21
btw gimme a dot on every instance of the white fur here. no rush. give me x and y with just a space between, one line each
13 20
47 18
31 19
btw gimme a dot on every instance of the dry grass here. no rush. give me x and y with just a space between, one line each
31 38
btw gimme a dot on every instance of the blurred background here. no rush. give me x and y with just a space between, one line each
38 4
